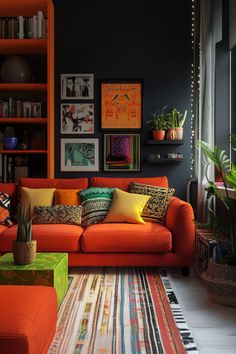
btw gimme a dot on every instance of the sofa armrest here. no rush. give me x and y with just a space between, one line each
180 221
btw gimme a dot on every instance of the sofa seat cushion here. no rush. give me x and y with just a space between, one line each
50 238
122 237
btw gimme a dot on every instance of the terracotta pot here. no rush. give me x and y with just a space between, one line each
220 280
158 134
24 252
170 134
179 133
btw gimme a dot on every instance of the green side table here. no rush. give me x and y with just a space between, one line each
49 269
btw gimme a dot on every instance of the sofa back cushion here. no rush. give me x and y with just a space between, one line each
58 183
123 183
11 190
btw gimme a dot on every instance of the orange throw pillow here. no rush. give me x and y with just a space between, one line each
66 197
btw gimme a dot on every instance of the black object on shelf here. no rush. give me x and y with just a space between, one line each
164 142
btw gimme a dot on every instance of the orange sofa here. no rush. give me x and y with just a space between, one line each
113 244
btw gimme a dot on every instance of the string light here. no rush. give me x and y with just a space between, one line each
194 85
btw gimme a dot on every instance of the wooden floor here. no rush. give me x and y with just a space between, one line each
213 326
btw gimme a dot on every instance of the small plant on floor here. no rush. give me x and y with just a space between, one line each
224 228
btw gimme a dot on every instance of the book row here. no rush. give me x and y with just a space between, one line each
22 27
20 109
10 171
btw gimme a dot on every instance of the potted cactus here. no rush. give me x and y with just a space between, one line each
24 248
176 121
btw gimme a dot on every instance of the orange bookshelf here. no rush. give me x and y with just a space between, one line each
41 130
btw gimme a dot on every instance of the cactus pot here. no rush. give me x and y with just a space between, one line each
24 252
10 143
158 134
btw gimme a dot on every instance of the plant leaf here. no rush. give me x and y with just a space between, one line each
217 156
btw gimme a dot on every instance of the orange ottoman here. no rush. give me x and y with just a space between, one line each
28 316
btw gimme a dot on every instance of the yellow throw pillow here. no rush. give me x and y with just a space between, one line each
66 197
126 207
36 197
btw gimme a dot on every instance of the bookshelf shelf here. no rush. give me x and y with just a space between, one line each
23 46
23 120
23 87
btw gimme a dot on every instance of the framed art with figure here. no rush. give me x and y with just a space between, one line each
77 86
77 118
79 155
122 152
121 104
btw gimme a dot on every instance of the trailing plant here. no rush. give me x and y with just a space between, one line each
223 227
176 119
158 121
24 230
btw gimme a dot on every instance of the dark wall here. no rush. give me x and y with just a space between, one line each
148 40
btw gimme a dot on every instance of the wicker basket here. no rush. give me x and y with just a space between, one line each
220 281
24 252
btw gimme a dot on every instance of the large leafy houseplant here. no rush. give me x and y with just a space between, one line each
223 225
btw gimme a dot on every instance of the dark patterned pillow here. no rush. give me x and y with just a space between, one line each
58 214
95 204
4 209
155 209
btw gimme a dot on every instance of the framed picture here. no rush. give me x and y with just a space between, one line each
79 155
77 118
121 152
121 105
77 86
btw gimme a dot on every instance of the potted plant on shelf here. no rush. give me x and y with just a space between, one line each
220 276
176 121
9 138
24 248
158 124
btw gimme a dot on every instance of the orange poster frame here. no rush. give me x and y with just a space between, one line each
121 104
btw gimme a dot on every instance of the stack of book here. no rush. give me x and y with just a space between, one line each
22 27
17 108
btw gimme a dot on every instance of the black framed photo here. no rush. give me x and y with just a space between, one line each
122 152
77 86
121 104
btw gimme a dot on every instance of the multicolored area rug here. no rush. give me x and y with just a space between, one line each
121 311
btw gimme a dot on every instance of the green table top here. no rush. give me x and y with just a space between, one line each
43 261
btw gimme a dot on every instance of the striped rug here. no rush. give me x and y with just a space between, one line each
121 311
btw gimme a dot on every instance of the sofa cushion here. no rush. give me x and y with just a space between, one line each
155 209
58 183
50 238
126 207
66 197
5 209
123 183
31 197
148 237
95 204
58 214
11 190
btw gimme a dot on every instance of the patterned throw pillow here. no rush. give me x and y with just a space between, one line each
4 209
155 209
58 214
95 204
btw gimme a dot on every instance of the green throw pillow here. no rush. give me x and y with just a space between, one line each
155 209
58 214
95 204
